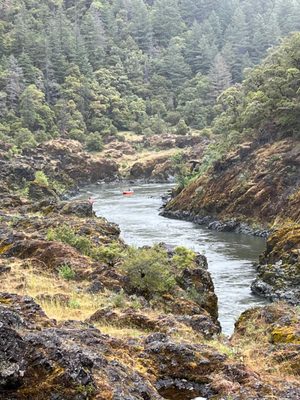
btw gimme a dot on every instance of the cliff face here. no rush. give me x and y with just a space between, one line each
258 184
255 184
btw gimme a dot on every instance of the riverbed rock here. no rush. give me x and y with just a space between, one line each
43 359
279 267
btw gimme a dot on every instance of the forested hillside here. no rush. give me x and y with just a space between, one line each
83 69
256 159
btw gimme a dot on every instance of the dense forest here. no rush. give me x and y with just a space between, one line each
83 69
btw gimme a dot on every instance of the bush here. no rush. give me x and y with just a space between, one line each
118 300
65 234
184 258
77 134
24 139
41 178
110 253
182 128
173 117
149 271
66 272
94 142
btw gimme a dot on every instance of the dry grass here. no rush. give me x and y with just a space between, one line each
121 332
79 305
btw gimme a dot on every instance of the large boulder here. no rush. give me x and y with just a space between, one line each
279 266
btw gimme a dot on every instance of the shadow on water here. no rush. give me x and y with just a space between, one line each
230 255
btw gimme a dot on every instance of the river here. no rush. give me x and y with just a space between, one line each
230 255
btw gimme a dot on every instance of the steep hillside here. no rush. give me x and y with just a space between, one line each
85 69
252 175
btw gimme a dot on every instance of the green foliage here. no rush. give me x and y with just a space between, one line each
41 178
267 102
118 300
74 304
66 272
183 258
88 70
182 128
149 271
94 142
110 253
66 234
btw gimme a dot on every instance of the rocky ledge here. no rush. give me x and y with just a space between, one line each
64 162
210 222
43 359
279 267
254 184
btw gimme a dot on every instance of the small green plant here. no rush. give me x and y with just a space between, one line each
110 253
66 272
118 300
59 188
14 151
41 178
74 304
149 271
86 390
67 235
183 258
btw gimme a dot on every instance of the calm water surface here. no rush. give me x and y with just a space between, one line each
230 255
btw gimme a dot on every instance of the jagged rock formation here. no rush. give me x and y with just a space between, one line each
279 266
43 359
62 161
263 176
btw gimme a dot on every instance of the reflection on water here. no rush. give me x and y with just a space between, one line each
229 255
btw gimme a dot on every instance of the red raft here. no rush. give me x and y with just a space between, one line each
128 192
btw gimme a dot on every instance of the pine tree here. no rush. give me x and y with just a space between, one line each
14 83
166 21
220 76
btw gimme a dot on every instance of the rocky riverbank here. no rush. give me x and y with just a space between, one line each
253 190
83 316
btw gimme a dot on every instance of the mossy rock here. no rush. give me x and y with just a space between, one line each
286 334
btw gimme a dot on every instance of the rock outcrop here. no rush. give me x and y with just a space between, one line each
43 359
253 190
279 266
263 176
64 162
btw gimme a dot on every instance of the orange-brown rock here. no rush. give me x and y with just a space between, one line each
263 176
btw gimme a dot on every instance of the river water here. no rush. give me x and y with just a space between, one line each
230 255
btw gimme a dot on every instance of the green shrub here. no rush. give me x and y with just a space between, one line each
58 186
41 178
118 300
184 258
94 142
149 271
65 234
182 128
77 134
74 304
24 139
66 272
110 253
